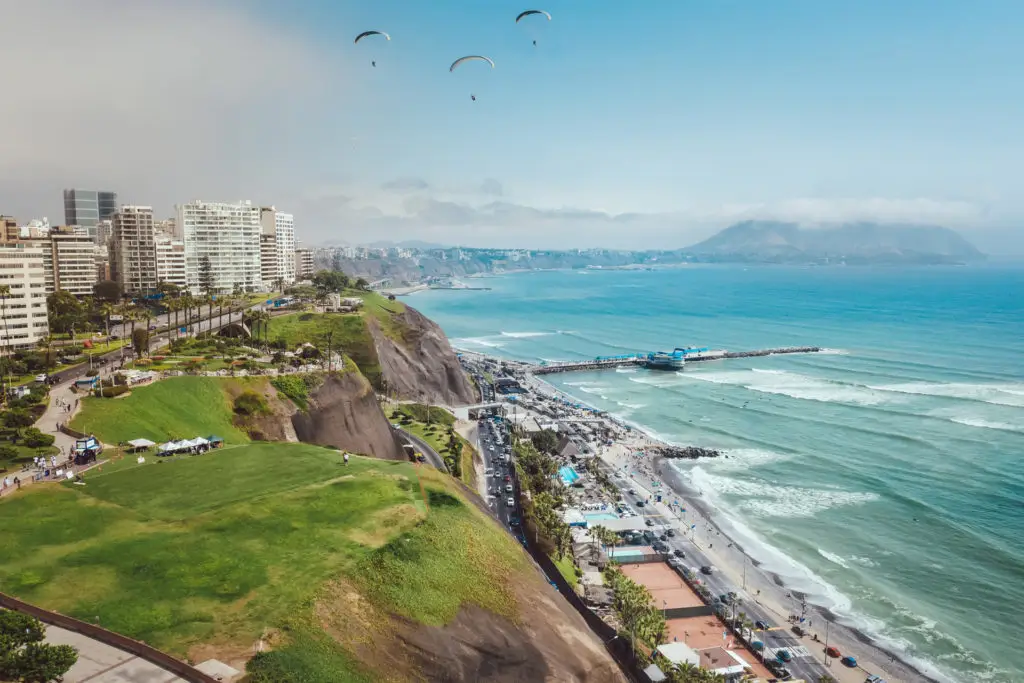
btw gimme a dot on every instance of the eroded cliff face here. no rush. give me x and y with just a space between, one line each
421 366
344 413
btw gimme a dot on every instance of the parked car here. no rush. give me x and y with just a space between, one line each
799 630
725 598
648 522
707 570
670 533
40 378
678 553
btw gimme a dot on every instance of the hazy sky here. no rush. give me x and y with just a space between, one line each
647 124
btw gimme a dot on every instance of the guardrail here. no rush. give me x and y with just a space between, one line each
98 633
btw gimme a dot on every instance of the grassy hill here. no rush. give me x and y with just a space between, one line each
174 408
203 556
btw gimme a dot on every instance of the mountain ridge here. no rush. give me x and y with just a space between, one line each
862 242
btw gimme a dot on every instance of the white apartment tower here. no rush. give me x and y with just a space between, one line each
304 263
170 261
133 249
229 236
277 247
23 310
70 261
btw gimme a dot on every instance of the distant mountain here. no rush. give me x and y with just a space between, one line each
852 243
407 244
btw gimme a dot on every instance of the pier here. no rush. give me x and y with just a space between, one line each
640 359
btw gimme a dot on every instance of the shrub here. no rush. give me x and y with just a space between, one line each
92 373
143 361
111 392
36 439
251 403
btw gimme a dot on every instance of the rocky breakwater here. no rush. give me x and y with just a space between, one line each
686 452
418 363
343 412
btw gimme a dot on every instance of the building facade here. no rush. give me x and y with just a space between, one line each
228 236
277 247
23 305
88 207
170 260
304 264
70 261
132 249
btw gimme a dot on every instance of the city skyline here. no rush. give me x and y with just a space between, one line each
655 124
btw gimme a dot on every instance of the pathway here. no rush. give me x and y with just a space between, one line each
101 663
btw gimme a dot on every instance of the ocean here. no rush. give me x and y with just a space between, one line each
884 476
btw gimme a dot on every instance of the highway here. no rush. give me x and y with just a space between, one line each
804 652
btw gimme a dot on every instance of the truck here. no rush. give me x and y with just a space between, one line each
413 454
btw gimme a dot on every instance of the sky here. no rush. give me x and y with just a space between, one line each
648 124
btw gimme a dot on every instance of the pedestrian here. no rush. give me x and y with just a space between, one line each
346 458
17 482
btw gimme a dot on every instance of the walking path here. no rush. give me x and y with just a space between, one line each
101 663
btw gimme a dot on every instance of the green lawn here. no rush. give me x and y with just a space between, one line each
215 549
349 334
566 568
174 408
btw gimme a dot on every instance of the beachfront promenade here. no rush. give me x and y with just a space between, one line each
641 359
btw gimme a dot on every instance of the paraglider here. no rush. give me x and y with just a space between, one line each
365 34
470 58
532 12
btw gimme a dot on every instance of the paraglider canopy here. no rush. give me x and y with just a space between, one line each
532 11
371 33
470 58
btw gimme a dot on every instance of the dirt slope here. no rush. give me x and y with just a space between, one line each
344 413
422 366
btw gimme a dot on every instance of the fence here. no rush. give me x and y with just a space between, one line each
134 647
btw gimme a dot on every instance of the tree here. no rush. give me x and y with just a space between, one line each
34 438
825 678
18 419
362 284
24 657
64 311
328 281
545 441
106 290
206 278
140 341
8 452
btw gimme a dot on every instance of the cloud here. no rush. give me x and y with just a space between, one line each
159 100
492 187
406 185
505 223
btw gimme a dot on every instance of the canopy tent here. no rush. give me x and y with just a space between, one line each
141 443
184 445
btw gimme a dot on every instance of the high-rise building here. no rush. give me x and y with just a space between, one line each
23 309
133 249
103 229
9 230
222 243
88 207
303 263
170 260
69 261
277 247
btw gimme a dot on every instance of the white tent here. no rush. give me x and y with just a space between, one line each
141 443
200 441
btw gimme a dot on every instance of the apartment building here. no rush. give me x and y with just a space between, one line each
23 304
133 249
304 263
229 236
277 247
70 261
9 230
170 260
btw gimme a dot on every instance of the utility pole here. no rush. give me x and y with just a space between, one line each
827 624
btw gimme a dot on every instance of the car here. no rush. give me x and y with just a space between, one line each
489 472
783 655
508 488
639 503
726 598
850 662
663 537
513 521
511 502
508 477
707 570
649 522
40 378
874 678
670 533
833 652
679 553
761 625
632 492
799 631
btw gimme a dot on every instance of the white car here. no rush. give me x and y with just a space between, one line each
489 472
508 488
40 378
511 502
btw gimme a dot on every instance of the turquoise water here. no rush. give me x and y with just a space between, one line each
600 516
888 471
568 475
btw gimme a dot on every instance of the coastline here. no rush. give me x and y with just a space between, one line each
733 559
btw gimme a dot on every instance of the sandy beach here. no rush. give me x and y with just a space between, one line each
765 588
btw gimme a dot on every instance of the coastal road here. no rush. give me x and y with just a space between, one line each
432 456
804 652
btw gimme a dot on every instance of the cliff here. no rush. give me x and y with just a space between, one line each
343 412
420 365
